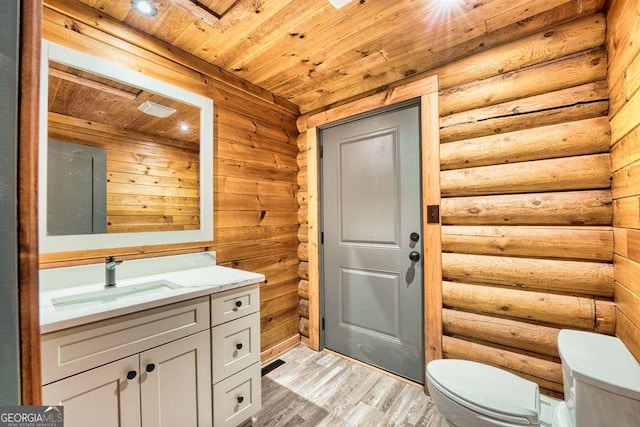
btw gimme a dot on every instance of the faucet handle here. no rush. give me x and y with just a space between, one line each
112 260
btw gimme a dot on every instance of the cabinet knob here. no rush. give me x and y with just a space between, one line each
239 346
131 375
150 367
240 399
238 304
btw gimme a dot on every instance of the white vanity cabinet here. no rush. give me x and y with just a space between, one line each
186 355
235 355
151 368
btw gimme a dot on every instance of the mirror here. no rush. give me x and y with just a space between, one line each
125 159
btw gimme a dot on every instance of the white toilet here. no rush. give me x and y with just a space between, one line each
601 388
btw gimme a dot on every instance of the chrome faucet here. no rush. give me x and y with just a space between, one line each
110 271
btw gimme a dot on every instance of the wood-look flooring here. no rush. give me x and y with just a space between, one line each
323 389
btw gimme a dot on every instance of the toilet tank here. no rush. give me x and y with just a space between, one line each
601 380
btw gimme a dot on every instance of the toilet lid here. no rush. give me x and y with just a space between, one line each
486 389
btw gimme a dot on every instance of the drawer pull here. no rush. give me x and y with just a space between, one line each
238 304
239 346
150 367
240 399
131 375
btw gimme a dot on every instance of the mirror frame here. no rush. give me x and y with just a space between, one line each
101 67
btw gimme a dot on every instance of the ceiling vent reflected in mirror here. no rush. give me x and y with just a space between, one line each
156 110
339 3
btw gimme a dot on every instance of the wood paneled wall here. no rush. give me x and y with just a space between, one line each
526 201
254 163
623 30
153 183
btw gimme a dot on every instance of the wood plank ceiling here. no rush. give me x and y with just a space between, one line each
314 55
83 95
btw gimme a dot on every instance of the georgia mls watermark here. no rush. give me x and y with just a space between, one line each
31 416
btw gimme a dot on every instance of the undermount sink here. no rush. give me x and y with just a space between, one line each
116 293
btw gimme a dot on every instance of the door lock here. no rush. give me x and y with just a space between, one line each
414 237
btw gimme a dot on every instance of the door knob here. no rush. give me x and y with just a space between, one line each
240 399
131 375
239 346
414 237
414 256
238 304
150 367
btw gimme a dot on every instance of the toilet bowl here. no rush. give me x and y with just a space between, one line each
601 384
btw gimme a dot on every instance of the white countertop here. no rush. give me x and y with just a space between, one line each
193 283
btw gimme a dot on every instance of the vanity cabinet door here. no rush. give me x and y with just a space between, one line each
175 383
101 397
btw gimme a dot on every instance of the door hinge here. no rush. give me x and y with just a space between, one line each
323 323
321 151
322 237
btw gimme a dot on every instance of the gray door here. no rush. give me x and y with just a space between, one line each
76 189
370 208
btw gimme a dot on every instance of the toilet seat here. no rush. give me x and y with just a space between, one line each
486 390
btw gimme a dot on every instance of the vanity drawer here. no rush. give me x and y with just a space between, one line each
235 346
231 305
74 350
237 398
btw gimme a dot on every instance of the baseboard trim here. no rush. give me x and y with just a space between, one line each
273 352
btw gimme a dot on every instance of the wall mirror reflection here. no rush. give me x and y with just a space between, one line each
122 160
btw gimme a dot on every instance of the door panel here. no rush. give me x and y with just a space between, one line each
370 206
369 302
369 197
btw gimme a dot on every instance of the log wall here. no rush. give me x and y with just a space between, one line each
526 210
255 168
623 24
526 200
303 236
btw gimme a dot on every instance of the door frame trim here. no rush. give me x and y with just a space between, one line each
427 90
28 134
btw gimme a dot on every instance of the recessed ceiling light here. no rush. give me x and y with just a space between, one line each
446 9
184 127
144 7
450 3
